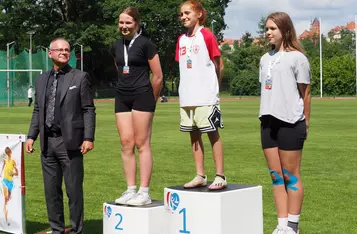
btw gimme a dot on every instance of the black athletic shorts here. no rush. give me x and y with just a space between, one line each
140 102
285 136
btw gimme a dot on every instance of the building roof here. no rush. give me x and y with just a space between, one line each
349 26
228 41
316 22
305 34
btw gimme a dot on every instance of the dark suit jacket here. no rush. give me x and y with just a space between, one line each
77 110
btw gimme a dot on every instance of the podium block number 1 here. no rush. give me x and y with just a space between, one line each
183 211
120 221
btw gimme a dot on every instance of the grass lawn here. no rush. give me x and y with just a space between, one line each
328 166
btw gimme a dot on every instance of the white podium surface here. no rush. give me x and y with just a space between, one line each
237 209
121 219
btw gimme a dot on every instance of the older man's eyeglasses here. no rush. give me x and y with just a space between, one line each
62 50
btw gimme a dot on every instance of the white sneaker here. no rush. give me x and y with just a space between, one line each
198 181
289 230
125 197
279 230
140 199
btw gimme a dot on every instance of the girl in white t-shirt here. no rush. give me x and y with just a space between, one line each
200 72
284 114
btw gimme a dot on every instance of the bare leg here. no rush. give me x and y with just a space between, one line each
142 122
280 195
7 198
291 163
217 149
198 152
126 132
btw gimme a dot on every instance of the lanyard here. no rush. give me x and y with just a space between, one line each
189 51
127 49
271 65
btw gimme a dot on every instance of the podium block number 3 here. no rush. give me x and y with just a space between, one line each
120 221
184 230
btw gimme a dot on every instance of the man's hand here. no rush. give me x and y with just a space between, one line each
86 146
29 146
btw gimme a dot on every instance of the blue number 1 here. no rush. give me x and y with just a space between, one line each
120 221
184 221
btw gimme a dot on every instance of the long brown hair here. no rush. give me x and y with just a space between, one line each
286 27
197 7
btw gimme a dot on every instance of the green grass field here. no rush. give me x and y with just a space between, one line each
328 167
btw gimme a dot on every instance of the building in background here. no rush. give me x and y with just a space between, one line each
313 33
335 33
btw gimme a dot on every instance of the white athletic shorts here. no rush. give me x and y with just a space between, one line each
203 118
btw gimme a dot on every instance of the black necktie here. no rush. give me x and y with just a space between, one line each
50 111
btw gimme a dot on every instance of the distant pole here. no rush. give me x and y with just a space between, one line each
8 73
81 57
46 59
320 59
30 56
30 59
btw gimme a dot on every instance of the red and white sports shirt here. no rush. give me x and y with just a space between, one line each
198 78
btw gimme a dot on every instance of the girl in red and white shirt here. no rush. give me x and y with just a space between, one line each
200 73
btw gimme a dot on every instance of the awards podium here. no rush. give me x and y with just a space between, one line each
237 209
148 219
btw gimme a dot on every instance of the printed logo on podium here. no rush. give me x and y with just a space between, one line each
107 211
172 201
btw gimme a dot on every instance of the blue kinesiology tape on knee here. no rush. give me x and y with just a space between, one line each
277 180
290 184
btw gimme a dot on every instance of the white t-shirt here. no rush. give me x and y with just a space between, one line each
198 81
281 98
29 93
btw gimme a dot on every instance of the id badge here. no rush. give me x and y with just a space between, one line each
126 70
189 63
268 84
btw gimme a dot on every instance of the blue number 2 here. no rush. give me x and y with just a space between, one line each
120 221
184 221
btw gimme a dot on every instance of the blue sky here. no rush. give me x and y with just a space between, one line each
244 15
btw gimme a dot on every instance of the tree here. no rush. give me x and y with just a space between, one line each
261 27
263 41
347 40
247 39
216 10
226 48
235 45
93 24
246 83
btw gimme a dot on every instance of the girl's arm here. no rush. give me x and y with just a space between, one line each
218 62
306 96
16 171
155 68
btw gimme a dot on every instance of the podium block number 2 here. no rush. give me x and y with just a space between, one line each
120 221
184 230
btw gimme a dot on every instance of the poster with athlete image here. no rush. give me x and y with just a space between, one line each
12 186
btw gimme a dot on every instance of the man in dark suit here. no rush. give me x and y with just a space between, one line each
64 116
